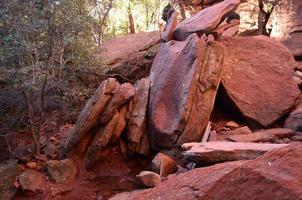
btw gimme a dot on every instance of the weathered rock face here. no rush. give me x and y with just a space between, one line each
137 116
286 22
90 114
268 135
31 180
184 186
121 48
184 80
278 170
63 171
276 174
204 21
215 152
258 79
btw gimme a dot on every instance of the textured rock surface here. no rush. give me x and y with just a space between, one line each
9 171
63 171
184 80
121 48
136 127
286 22
214 152
264 70
124 93
90 113
185 186
268 135
277 174
204 21
274 175
223 135
31 180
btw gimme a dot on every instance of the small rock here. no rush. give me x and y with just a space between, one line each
32 165
9 170
149 179
163 164
31 180
61 171
232 124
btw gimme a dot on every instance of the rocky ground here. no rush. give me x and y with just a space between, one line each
189 115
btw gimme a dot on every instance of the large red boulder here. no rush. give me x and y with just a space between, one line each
206 20
184 81
257 78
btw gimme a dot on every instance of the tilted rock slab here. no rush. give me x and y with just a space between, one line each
123 95
257 77
215 152
268 135
88 117
206 20
137 117
184 81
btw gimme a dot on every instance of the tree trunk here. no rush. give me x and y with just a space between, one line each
131 23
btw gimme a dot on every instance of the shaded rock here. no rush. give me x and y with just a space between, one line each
185 186
122 48
224 135
205 20
63 171
277 174
264 70
144 148
214 152
184 80
170 27
125 92
96 149
90 113
232 124
293 42
136 127
231 32
163 165
294 120
31 180
268 135
149 179
9 171
120 124
135 67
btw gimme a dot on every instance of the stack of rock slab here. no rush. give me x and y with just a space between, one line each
112 110
255 74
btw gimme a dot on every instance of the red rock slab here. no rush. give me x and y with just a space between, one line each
205 20
121 48
214 152
268 135
275 175
184 81
257 77
90 113
170 26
